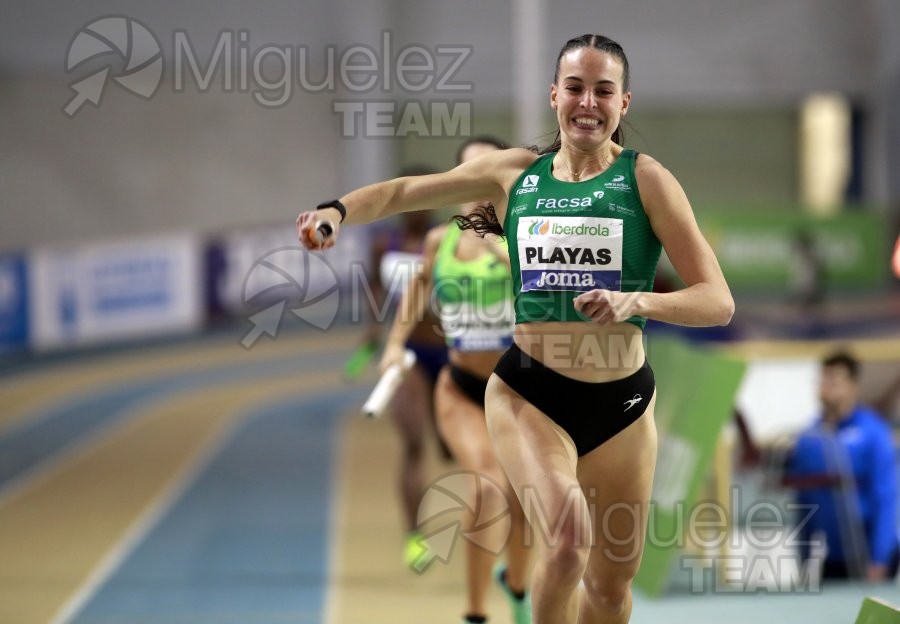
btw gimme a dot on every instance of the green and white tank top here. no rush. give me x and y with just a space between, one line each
474 298
566 238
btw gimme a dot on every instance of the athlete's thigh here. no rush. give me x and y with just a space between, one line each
617 480
538 457
411 405
462 425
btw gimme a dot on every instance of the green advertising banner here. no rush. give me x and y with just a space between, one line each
877 611
762 249
696 390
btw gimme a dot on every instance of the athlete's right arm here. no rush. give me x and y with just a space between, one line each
486 177
412 303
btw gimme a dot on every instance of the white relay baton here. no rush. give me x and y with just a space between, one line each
387 385
324 230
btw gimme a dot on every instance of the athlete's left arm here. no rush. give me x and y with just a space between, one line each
706 300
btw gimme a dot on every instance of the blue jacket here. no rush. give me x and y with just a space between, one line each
864 442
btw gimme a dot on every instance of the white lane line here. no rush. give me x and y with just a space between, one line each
144 523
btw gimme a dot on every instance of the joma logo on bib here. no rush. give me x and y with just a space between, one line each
566 280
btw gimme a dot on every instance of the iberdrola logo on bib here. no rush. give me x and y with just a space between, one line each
538 227
580 229
542 227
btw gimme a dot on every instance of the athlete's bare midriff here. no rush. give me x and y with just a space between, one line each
478 363
584 351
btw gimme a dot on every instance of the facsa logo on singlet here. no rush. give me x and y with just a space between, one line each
529 185
617 184
565 202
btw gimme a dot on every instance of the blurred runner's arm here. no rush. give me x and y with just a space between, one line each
412 304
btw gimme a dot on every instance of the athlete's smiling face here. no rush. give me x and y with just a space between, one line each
589 96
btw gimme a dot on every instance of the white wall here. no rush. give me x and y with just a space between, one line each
688 50
201 161
179 161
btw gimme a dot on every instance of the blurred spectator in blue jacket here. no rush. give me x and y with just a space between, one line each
843 466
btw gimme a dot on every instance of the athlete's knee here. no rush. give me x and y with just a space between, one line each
568 549
563 523
608 593
565 561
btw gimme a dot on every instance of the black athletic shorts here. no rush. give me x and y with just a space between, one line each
591 413
470 385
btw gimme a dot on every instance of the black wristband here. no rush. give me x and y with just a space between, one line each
334 203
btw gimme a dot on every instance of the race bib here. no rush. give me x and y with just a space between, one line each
570 253
469 327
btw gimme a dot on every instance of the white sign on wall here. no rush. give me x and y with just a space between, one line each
96 292
779 397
